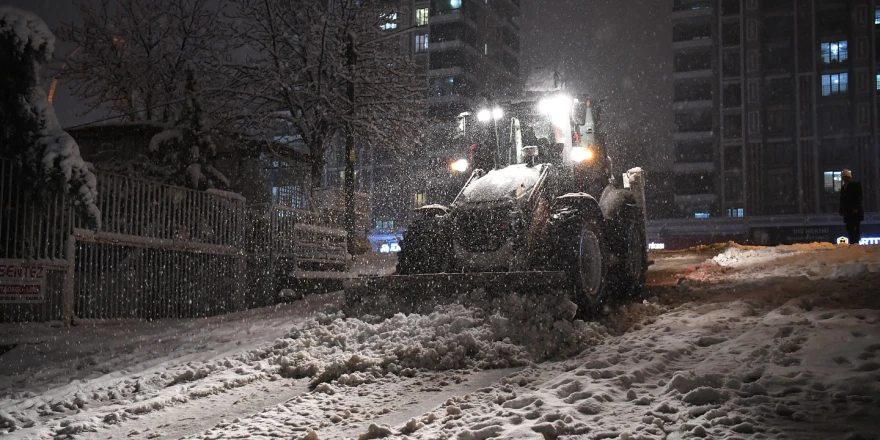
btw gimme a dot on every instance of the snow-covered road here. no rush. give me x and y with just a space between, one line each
728 342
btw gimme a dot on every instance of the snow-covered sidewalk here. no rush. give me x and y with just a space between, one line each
750 343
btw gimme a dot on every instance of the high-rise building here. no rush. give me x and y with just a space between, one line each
468 52
772 99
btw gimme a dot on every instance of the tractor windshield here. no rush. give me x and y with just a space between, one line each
510 182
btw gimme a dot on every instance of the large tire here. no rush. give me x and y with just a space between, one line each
590 270
580 251
426 248
627 278
625 238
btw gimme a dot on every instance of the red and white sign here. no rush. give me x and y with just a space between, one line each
21 282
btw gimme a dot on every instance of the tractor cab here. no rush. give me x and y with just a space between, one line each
558 130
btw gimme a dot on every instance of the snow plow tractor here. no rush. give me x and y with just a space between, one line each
548 216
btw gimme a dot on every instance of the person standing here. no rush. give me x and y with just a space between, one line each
851 206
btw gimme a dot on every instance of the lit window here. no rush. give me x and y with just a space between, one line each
834 52
833 181
391 23
421 43
734 212
877 16
834 83
421 16
419 200
878 81
701 215
454 4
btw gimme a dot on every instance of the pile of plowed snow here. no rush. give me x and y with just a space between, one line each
331 347
328 348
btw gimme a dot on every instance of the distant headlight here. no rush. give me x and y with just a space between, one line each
581 154
460 165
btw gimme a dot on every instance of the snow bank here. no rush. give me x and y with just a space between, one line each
333 352
452 337
801 260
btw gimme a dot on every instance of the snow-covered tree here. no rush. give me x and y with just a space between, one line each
133 55
185 155
298 70
47 158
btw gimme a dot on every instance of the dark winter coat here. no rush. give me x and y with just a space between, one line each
851 202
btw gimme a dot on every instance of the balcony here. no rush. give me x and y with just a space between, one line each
690 5
687 105
703 73
693 167
697 42
692 135
682 199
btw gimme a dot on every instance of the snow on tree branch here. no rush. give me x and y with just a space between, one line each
47 157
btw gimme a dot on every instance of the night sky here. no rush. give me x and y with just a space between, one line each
618 51
615 50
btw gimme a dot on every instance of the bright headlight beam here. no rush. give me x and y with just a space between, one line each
460 165
581 154
484 115
497 113
555 105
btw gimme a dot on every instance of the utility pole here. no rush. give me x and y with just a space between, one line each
349 220
348 184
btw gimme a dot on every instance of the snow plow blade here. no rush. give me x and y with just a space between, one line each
386 296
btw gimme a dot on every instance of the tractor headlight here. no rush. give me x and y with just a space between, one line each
460 165
582 154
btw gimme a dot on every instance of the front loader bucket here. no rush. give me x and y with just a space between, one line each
386 296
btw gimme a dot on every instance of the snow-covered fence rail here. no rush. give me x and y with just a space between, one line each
34 233
161 252
143 208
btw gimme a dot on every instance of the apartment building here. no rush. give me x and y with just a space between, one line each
772 99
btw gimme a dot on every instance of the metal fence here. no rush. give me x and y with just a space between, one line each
161 251
34 230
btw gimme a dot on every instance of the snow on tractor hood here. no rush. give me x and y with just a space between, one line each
510 183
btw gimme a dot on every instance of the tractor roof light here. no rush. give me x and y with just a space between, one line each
487 115
581 154
557 107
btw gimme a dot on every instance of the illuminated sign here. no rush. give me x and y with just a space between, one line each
389 248
656 246
863 242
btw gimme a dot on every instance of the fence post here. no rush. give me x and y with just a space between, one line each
68 293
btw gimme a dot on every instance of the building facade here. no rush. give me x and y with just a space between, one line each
772 99
468 52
